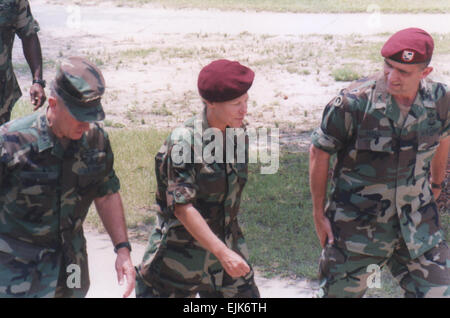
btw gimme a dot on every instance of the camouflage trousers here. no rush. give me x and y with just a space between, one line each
346 274
243 287
19 279
31 271
176 266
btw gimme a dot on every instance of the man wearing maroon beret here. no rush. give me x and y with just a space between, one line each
391 136
198 246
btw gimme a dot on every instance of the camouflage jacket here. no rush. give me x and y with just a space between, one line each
380 190
15 18
45 194
214 189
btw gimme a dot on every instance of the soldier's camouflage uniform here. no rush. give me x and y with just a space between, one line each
15 18
174 263
381 206
45 193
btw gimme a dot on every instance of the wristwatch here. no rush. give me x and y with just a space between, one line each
122 244
438 185
40 82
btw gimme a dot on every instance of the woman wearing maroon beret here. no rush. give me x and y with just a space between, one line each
198 247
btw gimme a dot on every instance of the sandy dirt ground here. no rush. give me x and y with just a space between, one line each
151 57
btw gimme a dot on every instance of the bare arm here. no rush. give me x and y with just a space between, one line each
110 210
192 220
33 55
319 162
439 164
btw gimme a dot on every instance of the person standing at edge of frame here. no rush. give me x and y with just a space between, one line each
444 199
198 246
390 133
53 165
16 18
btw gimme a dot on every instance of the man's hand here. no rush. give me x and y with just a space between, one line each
124 267
319 162
233 263
110 211
323 228
37 95
33 54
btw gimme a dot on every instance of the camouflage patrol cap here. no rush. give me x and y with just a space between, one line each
80 85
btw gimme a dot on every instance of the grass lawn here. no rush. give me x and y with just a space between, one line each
22 108
277 220
134 152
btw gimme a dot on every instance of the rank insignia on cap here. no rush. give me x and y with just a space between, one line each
407 56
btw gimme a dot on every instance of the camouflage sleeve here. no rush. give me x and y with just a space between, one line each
336 126
25 24
110 183
181 187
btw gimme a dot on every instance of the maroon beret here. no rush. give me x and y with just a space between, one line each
409 46
224 80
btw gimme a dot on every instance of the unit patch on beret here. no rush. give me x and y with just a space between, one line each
407 56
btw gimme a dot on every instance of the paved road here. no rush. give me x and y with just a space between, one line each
120 21
104 281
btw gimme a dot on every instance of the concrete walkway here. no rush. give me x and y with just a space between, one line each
123 21
104 280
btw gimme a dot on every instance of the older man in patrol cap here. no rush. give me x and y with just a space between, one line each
390 133
53 164
198 246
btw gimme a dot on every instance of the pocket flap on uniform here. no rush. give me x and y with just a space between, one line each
374 140
428 142
39 176
21 249
93 162
35 190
